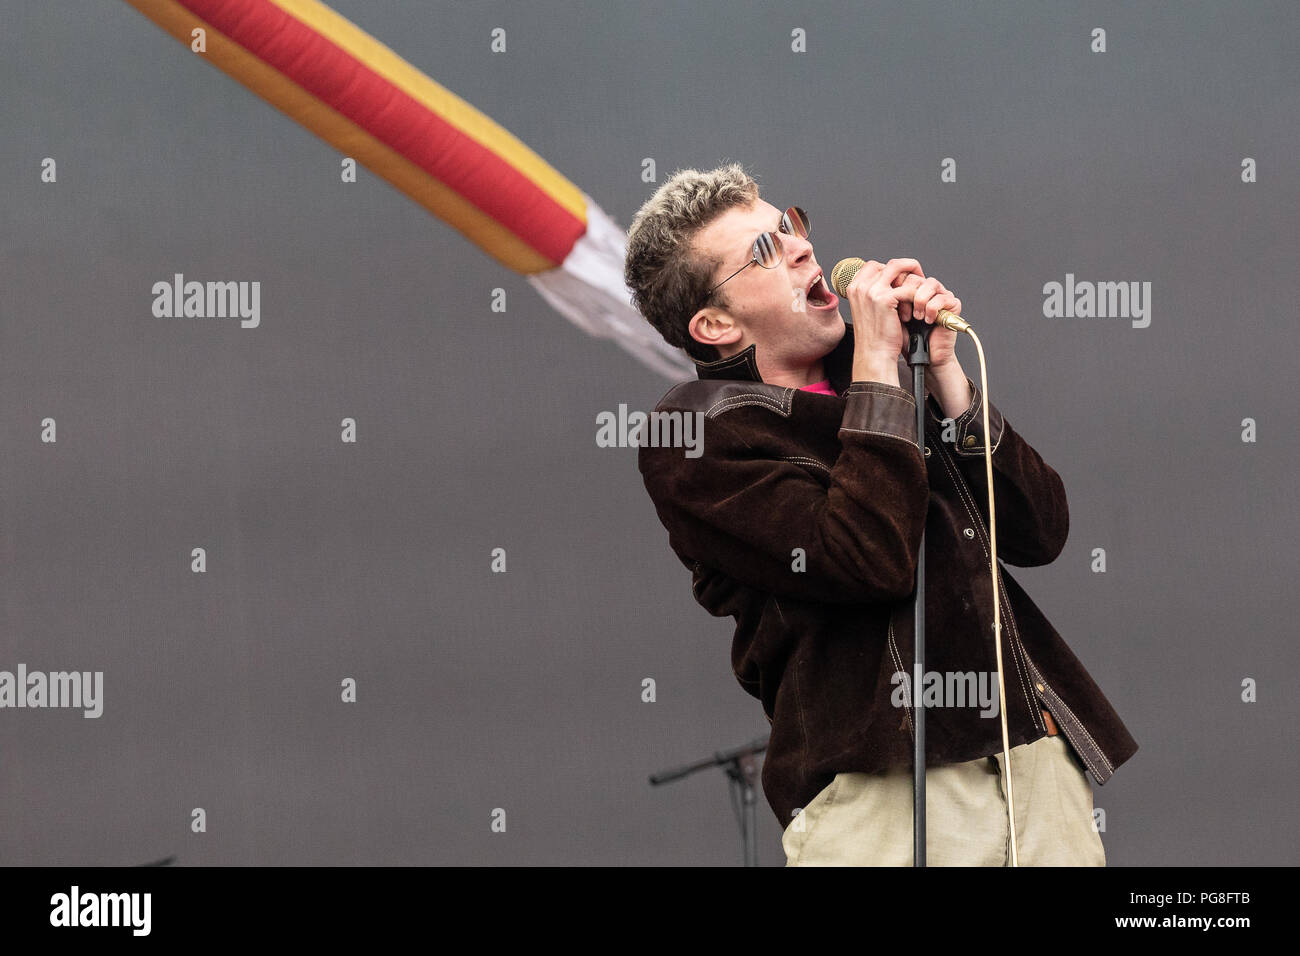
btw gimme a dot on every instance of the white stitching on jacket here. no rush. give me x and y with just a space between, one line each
801 459
781 405
1081 727
968 418
967 502
1084 731
751 398
883 389
1096 746
973 514
1110 769
898 662
868 431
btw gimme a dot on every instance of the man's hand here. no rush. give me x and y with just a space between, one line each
876 295
883 296
945 377
928 298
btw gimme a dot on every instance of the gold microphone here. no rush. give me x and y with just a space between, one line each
846 269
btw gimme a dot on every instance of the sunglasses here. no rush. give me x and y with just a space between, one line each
768 251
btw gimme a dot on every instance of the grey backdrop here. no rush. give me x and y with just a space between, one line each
476 429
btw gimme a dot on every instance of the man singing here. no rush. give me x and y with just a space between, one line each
802 519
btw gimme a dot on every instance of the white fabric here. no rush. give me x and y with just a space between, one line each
588 289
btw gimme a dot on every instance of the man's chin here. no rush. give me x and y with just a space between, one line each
835 326
831 333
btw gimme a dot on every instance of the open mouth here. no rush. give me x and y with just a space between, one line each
819 295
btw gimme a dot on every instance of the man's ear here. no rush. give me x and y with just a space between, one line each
714 327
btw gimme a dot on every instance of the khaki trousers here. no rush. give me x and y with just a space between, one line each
863 819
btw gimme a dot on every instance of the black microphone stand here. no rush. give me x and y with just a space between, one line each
742 770
918 358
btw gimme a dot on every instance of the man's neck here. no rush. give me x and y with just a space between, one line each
792 377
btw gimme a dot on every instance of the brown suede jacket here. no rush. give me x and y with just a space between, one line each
821 631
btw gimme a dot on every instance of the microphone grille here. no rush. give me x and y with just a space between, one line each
844 272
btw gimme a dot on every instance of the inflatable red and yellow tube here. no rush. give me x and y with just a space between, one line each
358 95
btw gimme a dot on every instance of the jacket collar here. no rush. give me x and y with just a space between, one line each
837 364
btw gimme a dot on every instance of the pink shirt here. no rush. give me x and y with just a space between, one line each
821 388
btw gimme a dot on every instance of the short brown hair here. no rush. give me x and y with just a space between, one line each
668 276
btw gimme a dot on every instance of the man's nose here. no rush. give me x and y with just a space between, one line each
797 248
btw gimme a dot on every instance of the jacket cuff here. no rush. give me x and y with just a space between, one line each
877 408
968 440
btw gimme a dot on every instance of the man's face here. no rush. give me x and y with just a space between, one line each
767 307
